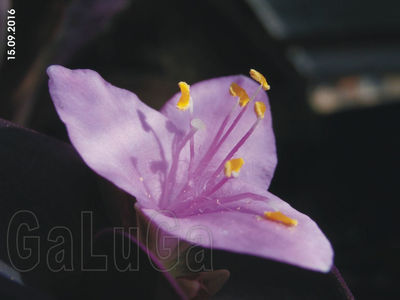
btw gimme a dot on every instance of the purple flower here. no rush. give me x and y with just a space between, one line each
205 161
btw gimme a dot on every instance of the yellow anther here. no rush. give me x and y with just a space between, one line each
279 217
259 109
257 76
184 100
238 91
233 166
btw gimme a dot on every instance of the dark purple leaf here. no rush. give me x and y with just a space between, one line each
47 192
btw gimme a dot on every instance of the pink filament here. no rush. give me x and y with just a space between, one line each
200 204
215 143
171 177
235 148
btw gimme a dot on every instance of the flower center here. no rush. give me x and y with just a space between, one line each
197 190
191 186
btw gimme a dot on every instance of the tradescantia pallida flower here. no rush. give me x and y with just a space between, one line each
207 157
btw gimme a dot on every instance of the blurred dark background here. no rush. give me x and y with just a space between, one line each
334 69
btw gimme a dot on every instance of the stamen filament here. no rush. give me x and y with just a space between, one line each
233 125
236 148
256 93
191 151
202 202
252 196
237 119
213 149
215 144
191 141
220 137
219 185
171 177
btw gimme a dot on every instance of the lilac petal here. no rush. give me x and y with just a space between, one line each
117 135
212 103
239 228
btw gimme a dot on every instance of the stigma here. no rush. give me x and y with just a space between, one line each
279 217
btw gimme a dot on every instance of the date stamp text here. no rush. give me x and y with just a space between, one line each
11 34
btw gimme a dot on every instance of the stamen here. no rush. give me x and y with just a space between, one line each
216 144
233 166
259 109
216 187
236 148
257 76
216 141
240 92
191 152
279 217
185 100
241 196
235 122
199 125
206 202
193 190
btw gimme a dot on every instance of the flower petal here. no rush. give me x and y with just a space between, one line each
212 102
240 228
117 135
